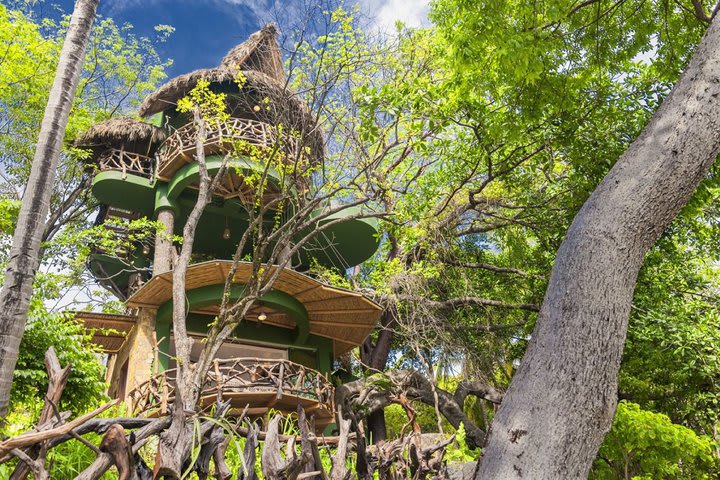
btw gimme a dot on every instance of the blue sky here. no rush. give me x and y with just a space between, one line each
206 29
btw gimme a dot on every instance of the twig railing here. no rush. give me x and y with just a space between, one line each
181 144
126 162
238 376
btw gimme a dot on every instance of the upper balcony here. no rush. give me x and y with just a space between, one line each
238 134
122 157
254 148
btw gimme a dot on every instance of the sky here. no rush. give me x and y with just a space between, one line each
206 29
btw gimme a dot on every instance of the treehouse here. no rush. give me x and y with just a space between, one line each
281 355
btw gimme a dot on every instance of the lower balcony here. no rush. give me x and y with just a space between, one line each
255 384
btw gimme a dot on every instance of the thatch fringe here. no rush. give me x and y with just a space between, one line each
122 131
259 52
168 94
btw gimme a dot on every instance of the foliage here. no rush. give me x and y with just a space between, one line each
72 457
211 105
86 384
643 445
670 363
509 114
396 420
459 451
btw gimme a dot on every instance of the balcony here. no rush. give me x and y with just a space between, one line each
179 148
126 162
116 221
259 384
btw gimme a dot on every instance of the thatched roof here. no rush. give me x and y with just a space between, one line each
344 316
285 107
168 94
133 135
259 61
108 330
259 52
258 58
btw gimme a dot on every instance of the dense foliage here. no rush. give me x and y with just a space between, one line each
86 385
512 113
645 445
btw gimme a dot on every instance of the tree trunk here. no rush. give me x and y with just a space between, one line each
25 252
375 356
377 430
563 397
176 442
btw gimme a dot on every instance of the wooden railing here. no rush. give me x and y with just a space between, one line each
126 162
237 376
179 147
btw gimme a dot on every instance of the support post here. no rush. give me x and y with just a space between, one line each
164 249
135 359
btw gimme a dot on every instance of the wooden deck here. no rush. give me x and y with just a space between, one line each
256 383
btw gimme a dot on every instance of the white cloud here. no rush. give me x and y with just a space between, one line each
385 13
259 8
112 8
268 10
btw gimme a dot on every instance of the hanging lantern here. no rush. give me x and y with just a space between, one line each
226 232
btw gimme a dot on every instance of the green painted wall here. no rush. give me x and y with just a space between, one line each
298 339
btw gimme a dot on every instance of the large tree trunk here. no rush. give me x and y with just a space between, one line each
25 252
374 356
562 399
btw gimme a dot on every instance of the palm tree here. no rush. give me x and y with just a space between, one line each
25 252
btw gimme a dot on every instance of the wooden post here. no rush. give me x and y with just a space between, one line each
164 249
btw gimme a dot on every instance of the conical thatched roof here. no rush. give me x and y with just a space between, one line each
259 52
258 58
133 135
259 61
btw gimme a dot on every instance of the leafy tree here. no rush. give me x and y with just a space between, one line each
86 384
557 94
120 69
524 118
25 251
645 445
570 369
